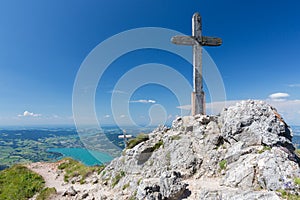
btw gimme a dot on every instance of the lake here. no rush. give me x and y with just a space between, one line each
87 157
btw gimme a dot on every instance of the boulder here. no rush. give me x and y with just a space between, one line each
70 192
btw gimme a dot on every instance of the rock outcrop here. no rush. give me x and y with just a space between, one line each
244 153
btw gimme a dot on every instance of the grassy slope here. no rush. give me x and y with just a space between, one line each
18 183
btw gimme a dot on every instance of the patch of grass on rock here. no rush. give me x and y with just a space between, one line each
158 145
265 148
46 193
287 195
74 168
223 164
133 197
117 178
135 141
297 181
175 137
139 181
125 186
298 152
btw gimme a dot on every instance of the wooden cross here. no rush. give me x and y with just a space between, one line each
197 41
124 136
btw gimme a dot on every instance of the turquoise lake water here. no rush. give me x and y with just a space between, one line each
87 157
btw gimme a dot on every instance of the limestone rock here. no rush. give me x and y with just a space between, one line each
70 192
255 123
244 153
171 186
84 195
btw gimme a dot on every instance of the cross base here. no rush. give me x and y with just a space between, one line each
198 102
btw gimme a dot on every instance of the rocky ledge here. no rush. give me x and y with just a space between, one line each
246 152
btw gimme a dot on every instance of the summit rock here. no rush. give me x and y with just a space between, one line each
245 152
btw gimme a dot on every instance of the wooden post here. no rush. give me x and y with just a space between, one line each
197 104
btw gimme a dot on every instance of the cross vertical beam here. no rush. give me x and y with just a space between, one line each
197 41
198 94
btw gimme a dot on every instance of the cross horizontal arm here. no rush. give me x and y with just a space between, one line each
191 41
125 136
210 41
184 40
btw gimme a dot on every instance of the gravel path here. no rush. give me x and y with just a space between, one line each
52 175
55 178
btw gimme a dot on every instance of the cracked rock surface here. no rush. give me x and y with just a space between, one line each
244 153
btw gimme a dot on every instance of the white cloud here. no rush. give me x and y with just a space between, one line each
107 116
143 101
29 114
294 85
279 96
122 116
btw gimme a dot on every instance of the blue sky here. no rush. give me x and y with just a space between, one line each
43 44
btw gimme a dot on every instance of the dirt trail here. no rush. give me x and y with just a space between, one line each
55 178
51 175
